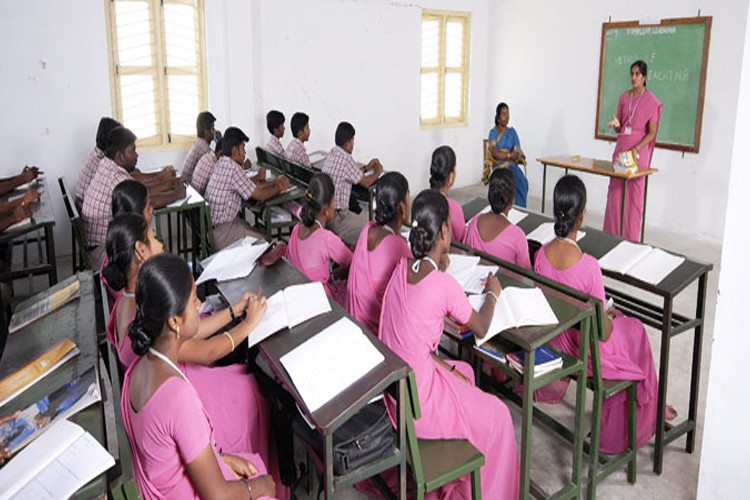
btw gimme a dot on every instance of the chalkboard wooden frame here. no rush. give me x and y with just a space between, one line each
694 147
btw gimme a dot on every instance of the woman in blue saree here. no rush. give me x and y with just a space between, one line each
505 149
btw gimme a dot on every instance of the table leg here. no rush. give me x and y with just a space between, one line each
328 464
526 422
622 208
579 431
544 183
696 366
663 379
643 218
203 235
49 240
402 408
169 232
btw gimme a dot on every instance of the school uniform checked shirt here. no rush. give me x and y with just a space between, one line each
202 172
87 172
296 153
274 145
344 172
227 188
200 147
97 206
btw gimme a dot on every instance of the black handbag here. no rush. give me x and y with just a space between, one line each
365 437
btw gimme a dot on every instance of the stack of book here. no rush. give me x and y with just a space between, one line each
545 361
456 329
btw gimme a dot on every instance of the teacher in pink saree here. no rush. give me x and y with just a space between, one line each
636 123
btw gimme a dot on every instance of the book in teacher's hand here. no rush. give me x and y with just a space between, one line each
45 306
36 369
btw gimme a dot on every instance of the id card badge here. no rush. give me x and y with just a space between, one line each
628 130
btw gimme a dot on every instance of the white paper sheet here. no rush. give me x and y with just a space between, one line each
655 266
514 216
546 233
58 463
191 196
273 320
18 225
329 362
461 264
232 263
474 279
624 256
515 308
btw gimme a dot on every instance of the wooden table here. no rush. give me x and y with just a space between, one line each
571 311
75 320
42 223
597 167
391 373
657 312
192 211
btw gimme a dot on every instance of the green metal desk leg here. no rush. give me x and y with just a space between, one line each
622 207
643 218
544 183
476 485
49 240
579 431
157 225
527 413
328 474
663 378
203 237
696 367
403 404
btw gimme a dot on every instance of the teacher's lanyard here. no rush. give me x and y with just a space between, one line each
631 113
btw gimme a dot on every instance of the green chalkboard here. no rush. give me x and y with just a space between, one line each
676 52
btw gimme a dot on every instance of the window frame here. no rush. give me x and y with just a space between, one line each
164 140
443 17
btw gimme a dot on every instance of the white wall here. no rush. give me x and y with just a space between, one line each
726 435
545 64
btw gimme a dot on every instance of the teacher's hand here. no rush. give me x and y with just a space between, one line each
615 123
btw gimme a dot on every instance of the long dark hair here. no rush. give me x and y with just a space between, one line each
319 194
123 232
569 201
391 190
163 290
501 189
428 214
442 164
129 197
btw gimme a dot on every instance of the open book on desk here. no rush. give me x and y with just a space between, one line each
546 233
235 261
516 307
469 273
56 465
329 362
288 308
45 306
643 262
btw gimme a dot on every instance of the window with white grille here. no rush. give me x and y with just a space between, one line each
158 69
444 68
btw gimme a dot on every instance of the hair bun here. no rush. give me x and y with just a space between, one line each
114 277
140 340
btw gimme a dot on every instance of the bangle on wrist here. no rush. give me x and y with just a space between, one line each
491 294
229 336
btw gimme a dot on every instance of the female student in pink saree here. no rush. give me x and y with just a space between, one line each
379 248
493 232
130 244
625 352
442 177
169 431
636 123
312 248
417 299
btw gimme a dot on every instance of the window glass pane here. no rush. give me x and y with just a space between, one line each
428 109
133 21
454 44
430 43
179 35
183 104
453 95
139 105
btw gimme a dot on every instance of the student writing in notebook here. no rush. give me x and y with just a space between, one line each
379 248
312 248
418 298
442 177
295 151
492 232
169 430
130 244
275 125
625 352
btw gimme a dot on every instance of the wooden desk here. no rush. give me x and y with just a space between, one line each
597 167
262 211
75 320
193 211
42 221
393 371
657 312
570 311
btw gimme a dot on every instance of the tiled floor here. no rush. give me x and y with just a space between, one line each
551 458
